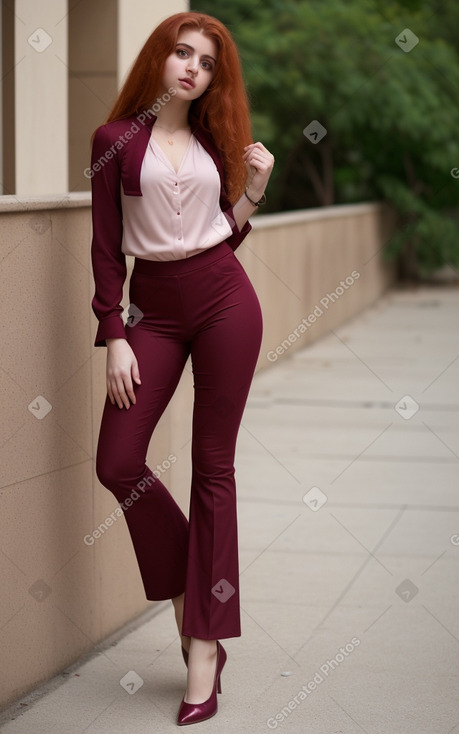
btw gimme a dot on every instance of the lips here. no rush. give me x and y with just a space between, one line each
188 83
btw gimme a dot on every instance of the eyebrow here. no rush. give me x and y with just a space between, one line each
206 56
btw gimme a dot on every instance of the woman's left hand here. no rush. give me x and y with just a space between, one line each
259 163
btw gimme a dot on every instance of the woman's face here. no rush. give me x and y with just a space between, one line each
191 66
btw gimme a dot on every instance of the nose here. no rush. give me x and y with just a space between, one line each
193 63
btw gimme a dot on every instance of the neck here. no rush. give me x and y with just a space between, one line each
174 114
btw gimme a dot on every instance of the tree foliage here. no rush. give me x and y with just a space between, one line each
391 115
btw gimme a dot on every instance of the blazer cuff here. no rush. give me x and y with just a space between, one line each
110 328
236 238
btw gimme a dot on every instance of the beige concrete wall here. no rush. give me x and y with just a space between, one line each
104 40
92 78
41 96
60 596
297 262
136 20
7 141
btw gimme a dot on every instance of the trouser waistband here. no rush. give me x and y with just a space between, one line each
184 265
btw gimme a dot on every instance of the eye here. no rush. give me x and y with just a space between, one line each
207 65
182 51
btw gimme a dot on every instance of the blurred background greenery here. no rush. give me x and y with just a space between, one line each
391 116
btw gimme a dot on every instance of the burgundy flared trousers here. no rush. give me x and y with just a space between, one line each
204 306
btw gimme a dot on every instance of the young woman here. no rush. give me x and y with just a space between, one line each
175 177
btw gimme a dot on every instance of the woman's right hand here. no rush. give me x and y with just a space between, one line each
122 368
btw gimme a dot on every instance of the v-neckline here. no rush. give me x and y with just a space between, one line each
163 153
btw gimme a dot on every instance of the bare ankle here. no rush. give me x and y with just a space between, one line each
203 648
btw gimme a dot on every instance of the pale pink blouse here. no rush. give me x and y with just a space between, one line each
178 214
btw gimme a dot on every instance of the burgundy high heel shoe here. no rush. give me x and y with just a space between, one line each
192 713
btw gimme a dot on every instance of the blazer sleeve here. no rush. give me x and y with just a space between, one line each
235 239
108 260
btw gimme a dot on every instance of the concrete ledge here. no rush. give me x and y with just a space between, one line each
74 200
338 211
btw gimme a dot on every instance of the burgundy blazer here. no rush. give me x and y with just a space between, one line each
117 154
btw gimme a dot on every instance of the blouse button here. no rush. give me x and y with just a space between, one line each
178 213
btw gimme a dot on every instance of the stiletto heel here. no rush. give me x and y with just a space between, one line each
192 713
